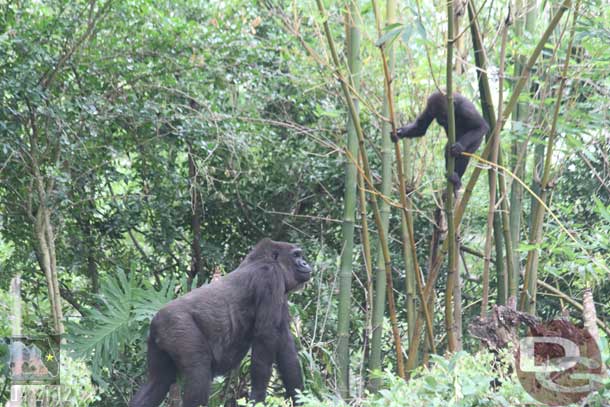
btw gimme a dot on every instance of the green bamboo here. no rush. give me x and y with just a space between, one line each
520 115
368 266
408 240
501 231
367 176
512 269
349 208
493 178
386 189
406 223
410 276
528 297
501 277
490 117
366 252
449 202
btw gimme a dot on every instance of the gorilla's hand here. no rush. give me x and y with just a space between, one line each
456 149
401 133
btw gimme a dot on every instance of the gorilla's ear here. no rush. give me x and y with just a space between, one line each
265 249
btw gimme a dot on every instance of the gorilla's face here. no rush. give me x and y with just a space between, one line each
301 268
296 270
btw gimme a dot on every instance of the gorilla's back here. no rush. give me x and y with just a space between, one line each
222 312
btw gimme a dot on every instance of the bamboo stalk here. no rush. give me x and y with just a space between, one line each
366 253
386 189
368 265
411 284
449 203
490 117
367 172
409 250
501 232
346 264
493 176
522 23
406 222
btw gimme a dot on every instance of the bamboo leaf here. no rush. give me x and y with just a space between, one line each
392 32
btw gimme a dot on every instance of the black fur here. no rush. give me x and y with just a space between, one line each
208 331
470 127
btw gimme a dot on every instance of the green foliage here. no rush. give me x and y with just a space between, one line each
77 389
463 380
116 325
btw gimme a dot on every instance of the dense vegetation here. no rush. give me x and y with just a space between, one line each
147 145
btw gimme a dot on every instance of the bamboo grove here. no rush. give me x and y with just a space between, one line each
516 284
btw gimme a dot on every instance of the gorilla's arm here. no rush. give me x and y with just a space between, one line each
435 109
263 355
288 364
270 299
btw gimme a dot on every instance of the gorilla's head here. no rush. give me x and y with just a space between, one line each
288 256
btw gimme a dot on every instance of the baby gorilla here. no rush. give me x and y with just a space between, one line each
470 127
208 331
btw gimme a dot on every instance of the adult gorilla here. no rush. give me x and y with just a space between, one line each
208 331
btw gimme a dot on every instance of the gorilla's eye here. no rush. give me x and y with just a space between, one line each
296 254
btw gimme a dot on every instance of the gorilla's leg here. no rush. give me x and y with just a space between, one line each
197 379
461 162
192 355
161 374
288 365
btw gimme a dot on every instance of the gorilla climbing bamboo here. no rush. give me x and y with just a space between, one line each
349 208
461 207
367 175
565 5
528 296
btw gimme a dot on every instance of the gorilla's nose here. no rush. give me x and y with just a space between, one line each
304 267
